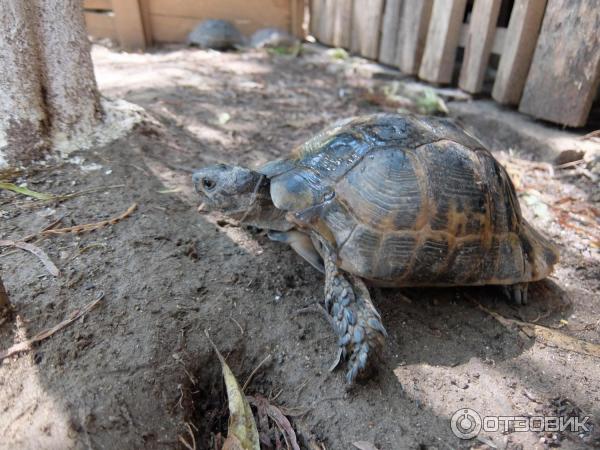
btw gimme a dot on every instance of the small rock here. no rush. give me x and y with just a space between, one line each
567 156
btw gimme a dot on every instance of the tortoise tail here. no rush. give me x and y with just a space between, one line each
539 253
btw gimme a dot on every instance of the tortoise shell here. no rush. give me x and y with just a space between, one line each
410 201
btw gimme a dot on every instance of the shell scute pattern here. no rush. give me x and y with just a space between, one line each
413 201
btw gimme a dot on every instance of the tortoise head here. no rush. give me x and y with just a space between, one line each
239 193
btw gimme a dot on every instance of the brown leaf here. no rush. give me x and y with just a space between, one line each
242 433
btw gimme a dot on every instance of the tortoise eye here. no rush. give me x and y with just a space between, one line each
208 184
328 196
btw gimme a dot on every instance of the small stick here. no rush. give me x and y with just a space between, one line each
89 226
254 372
570 164
26 345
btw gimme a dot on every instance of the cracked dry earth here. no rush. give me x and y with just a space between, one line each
138 372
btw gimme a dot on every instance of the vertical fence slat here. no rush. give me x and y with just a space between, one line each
342 24
316 13
327 21
129 24
366 23
442 40
565 71
297 18
412 33
523 29
389 31
480 37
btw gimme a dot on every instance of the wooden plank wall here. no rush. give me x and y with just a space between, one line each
137 23
171 21
119 20
523 29
421 37
442 40
565 72
412 34
480 37
366 26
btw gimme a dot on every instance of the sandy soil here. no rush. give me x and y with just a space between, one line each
138 370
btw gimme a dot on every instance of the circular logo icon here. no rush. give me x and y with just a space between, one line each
465 423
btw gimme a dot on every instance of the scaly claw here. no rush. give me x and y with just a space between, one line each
355 320
517 293
356 323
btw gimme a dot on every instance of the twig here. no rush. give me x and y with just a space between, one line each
87 191
570 164
185 443
46 228
26 345
50 266
85 227
238 324
254 372
191 433
541 333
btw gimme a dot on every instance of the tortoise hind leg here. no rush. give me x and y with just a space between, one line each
355 320
517 293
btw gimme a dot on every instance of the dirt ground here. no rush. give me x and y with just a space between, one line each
137 371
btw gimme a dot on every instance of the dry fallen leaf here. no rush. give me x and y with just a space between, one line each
43 257
241 433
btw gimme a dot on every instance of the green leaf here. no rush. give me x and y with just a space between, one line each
24 191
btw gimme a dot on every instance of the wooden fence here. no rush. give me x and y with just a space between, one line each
134 24
548 50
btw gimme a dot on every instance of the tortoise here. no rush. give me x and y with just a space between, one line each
215 34
392 200
272 37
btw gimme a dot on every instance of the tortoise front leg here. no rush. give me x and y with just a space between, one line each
355 320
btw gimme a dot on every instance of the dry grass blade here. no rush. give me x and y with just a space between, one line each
50 266
85 227
184 442
26 345
545 334
265 359
86 191
24 191
241 431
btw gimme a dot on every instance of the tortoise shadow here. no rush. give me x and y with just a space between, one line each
449 326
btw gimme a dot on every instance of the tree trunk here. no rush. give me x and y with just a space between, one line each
22 116
48 92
